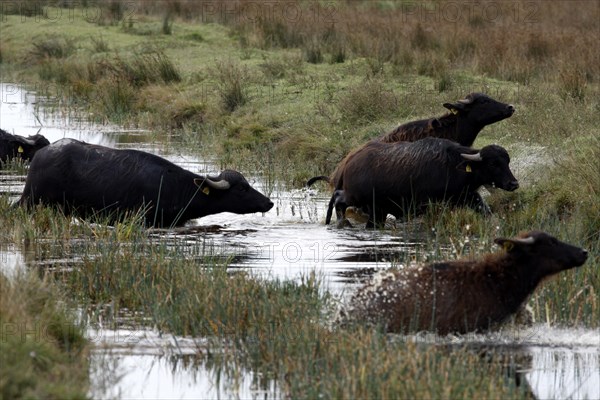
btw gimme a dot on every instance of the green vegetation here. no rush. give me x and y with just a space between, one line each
281 330
43 353
290 99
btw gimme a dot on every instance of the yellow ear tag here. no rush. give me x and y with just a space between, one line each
508 246
454 111
206 190
20 149
468 169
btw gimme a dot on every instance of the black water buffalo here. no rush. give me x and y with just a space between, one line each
463 295
93 180
401 178
14 146
466 119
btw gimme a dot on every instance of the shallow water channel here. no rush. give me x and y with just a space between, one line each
289 242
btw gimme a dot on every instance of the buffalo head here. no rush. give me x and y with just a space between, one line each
481 109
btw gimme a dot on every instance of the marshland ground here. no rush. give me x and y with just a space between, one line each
285 90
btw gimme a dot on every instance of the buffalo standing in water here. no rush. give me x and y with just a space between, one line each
91 180
466 119
463 296
402 178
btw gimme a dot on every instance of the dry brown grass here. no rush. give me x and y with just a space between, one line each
517 40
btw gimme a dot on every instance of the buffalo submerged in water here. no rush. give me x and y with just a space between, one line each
89 180
466 295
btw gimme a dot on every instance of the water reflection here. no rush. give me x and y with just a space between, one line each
144 364
149 365
24 113
565 373
12 261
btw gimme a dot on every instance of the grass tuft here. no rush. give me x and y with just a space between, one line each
366 102
231 84
54 46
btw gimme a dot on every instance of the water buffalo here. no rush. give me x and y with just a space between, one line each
464 295
466 119
400 178
14 146
89 180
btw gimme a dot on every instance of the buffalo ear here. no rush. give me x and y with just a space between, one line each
519 243
454 107
507 244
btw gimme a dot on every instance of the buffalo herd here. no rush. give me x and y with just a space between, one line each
398 173
420 161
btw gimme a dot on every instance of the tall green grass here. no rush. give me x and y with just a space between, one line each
43 353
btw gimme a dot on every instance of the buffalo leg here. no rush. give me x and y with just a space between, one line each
377 218
340 206
337 201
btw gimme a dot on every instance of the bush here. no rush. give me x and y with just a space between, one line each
52 47
231 81
367 102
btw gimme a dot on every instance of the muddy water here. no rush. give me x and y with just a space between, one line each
288 242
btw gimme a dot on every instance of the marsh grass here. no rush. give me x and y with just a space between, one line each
52 47
278 329
144 68
99 44
15 165
572 83
366 102
281 330
231 84
43 353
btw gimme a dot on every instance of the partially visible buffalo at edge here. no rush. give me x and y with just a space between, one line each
14 146
92 180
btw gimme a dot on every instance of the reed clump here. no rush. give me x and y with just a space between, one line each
367 102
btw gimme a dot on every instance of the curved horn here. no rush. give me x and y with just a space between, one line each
220 185
472 157
464 101
527 240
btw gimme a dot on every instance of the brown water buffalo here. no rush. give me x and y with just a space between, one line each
92 180
465 295
466 119
402 178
